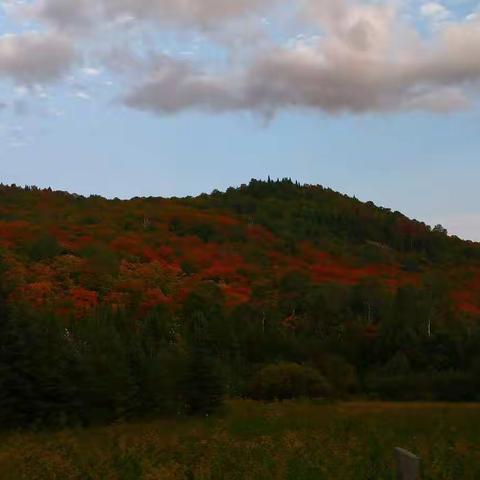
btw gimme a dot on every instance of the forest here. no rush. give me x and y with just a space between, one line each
124 309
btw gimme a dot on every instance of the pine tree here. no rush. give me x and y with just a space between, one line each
37 372
18 399
202 384
203 387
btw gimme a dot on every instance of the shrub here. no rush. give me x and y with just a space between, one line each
339 373
450 386
455 386
400 387
287 381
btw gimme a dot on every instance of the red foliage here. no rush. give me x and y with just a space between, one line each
152 298
116 300
260 234
130 244
236 295
151 272
83 300
37 294
18 231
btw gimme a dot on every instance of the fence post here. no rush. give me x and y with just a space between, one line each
408 465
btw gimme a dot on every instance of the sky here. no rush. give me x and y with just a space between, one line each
122 98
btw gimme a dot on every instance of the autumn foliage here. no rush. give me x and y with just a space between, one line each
269 272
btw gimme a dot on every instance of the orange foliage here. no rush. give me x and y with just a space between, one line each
37 294
152 255
18 231
130 244
116 300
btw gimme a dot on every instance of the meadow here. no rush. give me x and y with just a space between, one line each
299 440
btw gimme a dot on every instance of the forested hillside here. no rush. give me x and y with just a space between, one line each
154 306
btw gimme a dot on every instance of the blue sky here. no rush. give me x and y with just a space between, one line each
374 99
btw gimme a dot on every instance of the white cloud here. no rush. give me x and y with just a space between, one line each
358 56
435 11
82 95
91 72
366 61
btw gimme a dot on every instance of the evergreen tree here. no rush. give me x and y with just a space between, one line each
37 372
203 387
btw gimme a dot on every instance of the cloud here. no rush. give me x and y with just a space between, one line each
91 72
82 95
365 61
204 14
33 58
63 14
175 85
358 56
435 11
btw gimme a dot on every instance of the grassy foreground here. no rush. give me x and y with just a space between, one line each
294 440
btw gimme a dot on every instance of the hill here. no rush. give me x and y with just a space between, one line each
72 253
269 272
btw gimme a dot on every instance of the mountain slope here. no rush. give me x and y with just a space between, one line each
72 253
115 309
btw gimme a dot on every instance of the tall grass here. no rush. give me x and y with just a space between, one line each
249 440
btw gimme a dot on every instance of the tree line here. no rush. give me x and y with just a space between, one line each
321 341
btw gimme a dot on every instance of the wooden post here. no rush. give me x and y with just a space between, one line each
408 465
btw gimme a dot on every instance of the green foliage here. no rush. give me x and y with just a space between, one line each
328 218
288 380
440 386
43 247
101 258
341 375
156 307
38 372
203 387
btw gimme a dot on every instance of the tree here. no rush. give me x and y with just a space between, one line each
37 372
440 229
44 247
288 380
203 387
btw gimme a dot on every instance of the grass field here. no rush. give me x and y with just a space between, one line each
295 441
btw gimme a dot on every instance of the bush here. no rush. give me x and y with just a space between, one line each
449 386
455 386
287 381
339 373
400 387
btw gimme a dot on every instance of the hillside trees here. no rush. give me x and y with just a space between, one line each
119 309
